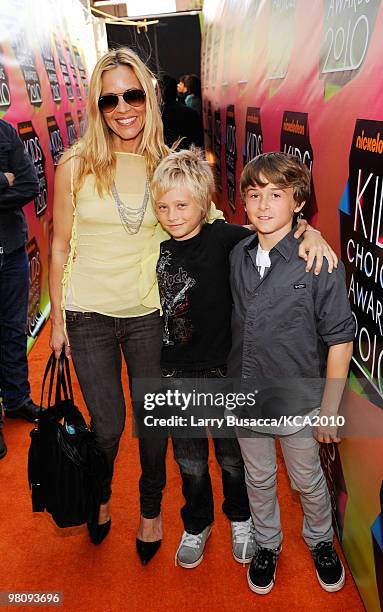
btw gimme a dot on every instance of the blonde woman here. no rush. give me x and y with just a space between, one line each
104 230
104 296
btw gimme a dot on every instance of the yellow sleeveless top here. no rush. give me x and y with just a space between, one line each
110 271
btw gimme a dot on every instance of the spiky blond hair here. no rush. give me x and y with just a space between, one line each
188 169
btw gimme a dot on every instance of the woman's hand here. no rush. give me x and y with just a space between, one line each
313 247
58 339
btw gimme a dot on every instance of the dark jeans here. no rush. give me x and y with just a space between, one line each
192 454
14 290
96 343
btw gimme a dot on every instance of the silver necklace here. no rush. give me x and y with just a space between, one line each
131 218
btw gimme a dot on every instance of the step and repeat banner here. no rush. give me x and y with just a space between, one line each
307 78
43 88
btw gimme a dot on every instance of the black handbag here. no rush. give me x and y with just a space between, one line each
65 467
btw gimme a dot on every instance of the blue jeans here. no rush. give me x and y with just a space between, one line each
97 342
14 290
192 456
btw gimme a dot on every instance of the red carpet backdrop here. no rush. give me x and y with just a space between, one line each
43 86
306 78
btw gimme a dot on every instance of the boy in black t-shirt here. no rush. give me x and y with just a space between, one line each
193 278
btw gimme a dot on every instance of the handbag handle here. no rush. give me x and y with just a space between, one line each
50 367
63 380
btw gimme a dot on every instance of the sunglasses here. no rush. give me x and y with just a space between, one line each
133 97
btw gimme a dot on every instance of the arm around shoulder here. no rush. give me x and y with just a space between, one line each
314 247
214 214
231 234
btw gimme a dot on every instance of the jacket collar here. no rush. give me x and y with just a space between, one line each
285 247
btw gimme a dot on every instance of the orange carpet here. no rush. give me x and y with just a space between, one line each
36 555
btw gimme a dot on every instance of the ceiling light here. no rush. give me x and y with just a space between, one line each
107 2
137 8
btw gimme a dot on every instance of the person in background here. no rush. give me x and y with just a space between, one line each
181 89
179 120
18 186
194 94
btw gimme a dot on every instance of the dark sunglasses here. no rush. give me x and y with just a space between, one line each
133 97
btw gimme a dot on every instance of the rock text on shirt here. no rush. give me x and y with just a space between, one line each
174 301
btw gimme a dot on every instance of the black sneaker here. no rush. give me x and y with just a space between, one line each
3 446
261 573
329 568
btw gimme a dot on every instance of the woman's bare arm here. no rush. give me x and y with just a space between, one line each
62 230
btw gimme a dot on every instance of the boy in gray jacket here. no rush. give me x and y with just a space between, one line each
290 326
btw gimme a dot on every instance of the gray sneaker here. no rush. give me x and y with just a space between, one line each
190 551
244 545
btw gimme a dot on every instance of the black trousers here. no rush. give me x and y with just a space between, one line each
98 343
14 288
192 455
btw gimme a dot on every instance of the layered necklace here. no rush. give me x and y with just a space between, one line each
131 218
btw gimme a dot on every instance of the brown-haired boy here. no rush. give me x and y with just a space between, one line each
287 325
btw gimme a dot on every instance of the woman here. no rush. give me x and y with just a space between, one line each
104 297
104 227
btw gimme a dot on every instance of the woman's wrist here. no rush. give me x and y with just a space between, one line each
57 320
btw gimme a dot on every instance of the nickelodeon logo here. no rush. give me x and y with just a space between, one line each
368 143
294 126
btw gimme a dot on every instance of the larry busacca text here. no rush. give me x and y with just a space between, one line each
233 421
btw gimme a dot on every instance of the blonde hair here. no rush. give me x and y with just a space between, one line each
188 169
94 150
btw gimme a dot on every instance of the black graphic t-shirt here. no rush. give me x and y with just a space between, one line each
193 279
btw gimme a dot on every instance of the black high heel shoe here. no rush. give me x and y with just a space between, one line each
147 550
98 532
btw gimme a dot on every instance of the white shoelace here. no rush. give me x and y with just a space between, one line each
190 540
243 533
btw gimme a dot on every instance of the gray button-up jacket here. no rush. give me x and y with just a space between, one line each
284 322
